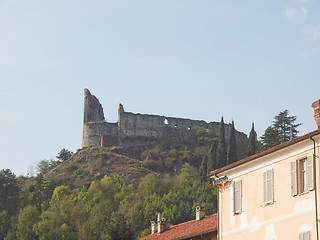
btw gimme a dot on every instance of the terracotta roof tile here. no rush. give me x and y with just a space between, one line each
187 229
265 152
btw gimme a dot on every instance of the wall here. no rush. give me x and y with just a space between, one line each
133 128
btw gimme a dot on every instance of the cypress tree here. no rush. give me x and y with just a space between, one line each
251 142
203 169
232 147
212 157
221 149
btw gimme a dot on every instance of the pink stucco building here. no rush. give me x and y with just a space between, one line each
274 194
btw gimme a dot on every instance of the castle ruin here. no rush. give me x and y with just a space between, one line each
136 128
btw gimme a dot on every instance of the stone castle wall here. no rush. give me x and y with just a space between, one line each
133 128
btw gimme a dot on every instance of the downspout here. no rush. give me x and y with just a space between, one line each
315 184
218 212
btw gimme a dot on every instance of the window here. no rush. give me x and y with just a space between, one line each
237 197
302 175
304 236
268 187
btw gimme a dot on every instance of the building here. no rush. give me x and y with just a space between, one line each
274 194
203 227
136 128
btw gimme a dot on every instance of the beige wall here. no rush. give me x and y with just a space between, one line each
285 217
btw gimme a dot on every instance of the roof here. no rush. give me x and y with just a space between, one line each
187 229
266 152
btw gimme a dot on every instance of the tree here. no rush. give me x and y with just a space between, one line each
251 142
283 129
9 192
221 149
119 228
27 217
203 169
64 154
285 125
4 224
232 147
270 138
212 157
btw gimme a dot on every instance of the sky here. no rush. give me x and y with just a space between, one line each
241 60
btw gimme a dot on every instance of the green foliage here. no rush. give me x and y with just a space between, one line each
232 147
152 164
203 169
270 138
27 217
282 129
286 126
119 228
9 192
212 163
251 150
221 149
44 166
205 136
4 223
71 168
64 154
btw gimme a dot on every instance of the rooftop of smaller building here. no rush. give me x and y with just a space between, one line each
187 229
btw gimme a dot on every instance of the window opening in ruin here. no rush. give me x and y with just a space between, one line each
189 128
207 130
166 121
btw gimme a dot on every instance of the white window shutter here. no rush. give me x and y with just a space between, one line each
237 196
310 184
270 186
304 236
294 180
265 187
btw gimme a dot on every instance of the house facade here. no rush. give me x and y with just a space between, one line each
272 195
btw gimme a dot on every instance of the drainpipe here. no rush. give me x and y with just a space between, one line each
218 212
315 184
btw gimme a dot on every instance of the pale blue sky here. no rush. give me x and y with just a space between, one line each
243 60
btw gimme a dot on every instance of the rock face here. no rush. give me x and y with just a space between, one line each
139 128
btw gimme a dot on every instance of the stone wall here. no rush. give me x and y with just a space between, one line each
133 128
93 111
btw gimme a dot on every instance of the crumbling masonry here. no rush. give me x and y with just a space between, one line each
138 128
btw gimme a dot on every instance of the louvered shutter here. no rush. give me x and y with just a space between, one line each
268 186
237 196
294 180
310 184
265 187
304 236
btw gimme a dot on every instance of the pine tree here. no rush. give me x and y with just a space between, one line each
221 149
251 142
232 147
270 138
203 169
285 126
282 129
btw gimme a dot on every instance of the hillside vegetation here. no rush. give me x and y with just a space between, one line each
104 192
